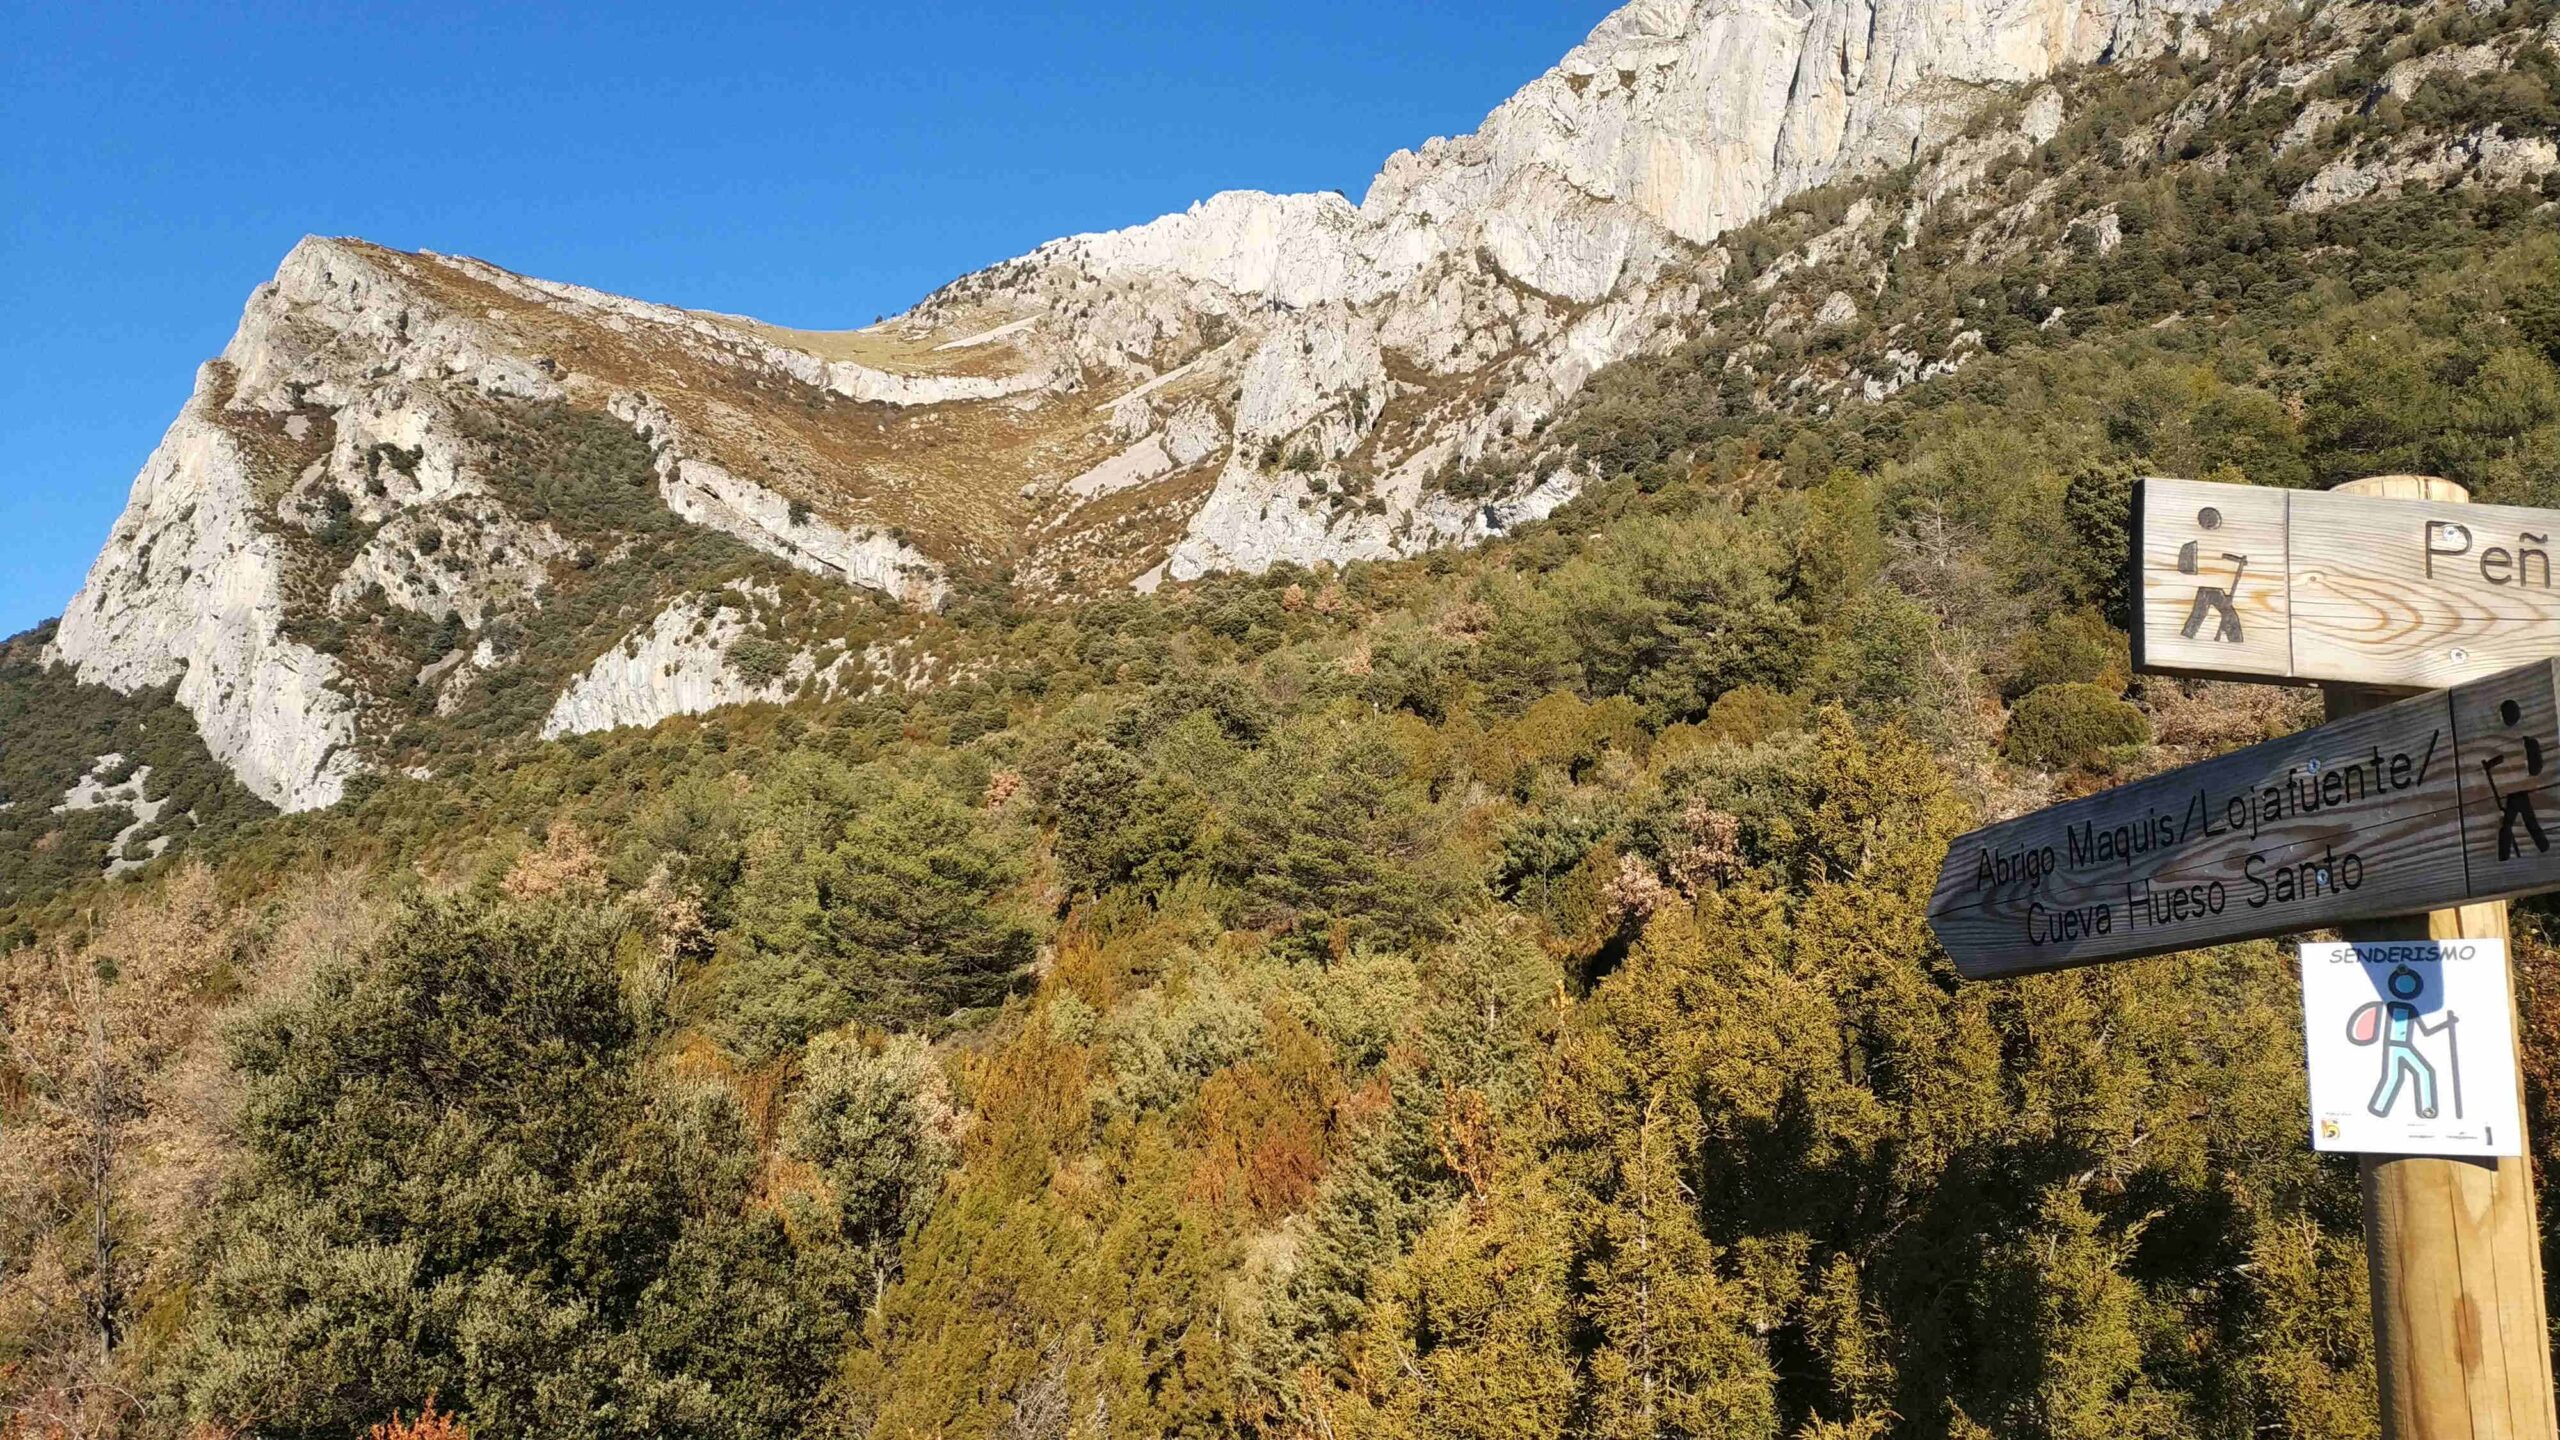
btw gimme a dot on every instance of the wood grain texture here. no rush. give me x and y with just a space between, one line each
2239 537
2510 786
2461 1338
2386 812
2399 584
2462 1341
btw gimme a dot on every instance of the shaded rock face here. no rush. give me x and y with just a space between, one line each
1260 379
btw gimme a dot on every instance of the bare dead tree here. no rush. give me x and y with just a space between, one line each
92 1026
83 1101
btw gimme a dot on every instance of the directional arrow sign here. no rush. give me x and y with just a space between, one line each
2240 581
2431 803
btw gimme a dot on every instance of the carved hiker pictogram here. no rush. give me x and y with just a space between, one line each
2518 819
2214 603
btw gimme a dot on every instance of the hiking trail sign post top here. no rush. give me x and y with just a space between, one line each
2434 802
2389 823
2239 581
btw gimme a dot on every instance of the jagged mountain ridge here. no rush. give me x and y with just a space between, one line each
1257 380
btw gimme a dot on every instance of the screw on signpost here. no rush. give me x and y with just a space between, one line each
2462 1344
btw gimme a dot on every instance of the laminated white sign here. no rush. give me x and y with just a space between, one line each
2412 1048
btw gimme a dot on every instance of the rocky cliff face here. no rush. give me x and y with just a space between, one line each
189 588
1257 380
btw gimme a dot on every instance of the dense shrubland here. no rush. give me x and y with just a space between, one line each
1482 996
57 730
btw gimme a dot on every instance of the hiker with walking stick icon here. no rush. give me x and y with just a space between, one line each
2213 602
2394 1025
2518 820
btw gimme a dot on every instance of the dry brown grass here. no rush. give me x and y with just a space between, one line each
1113 539
900 349
2198 719
947 477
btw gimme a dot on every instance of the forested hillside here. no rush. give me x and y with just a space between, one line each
1485 995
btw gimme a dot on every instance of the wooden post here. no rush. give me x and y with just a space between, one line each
2461 1343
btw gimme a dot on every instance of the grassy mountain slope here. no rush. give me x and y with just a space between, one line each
1485 995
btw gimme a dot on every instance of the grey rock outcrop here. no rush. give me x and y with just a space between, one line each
682 663
2485 158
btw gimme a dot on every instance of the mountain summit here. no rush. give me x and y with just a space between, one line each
396 488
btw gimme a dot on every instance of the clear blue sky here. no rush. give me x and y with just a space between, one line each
810 164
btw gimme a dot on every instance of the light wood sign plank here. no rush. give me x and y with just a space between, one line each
2294 585
2430 803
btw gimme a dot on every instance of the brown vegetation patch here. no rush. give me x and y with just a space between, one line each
948 478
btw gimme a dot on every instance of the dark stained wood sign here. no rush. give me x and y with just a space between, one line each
2290 585
2430 803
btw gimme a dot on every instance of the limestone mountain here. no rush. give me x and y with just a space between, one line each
1486 993
419 496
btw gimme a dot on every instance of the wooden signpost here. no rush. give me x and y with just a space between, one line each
2432 802
2407 817
2236 581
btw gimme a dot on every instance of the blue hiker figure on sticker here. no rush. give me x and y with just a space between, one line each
2394 1025
2518 820
2213 602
